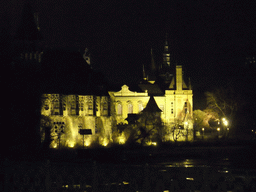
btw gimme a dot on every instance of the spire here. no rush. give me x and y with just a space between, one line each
36 17
189 84
28 29
144 73
166 54
153 65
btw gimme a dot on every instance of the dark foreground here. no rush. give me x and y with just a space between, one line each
184 168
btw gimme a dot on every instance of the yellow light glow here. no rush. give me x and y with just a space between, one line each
252 130
104 142
186 123
228 129
148 143
87 143
202 129
154 143
225 122
189 178
121 139
71 144
55 145
218 129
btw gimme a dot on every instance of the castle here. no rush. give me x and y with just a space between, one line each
100 113
86 105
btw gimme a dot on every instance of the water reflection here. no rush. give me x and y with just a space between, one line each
186 163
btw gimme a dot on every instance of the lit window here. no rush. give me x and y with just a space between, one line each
140 106
81 106
105 106
73 105
90 106
119 109
56 104
130 108
73 108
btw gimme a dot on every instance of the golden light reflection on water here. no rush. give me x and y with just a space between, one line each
186 163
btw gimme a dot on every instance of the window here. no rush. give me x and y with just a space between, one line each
81 107
90 103
56 107
130 108
90 106
162 108
105 106
140 107
186 107
73 108
56 104
119 109
73 105
46 107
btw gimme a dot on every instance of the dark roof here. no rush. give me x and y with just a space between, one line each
151 106
66 72
153 89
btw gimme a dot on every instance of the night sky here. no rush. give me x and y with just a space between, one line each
209 38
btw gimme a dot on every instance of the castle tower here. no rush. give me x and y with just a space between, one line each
28 35
166 54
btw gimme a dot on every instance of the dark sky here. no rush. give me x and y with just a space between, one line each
207 37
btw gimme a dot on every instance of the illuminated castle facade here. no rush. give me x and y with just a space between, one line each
171 93
73 98
102 112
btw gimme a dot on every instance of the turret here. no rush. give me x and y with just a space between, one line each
28 35
166 54
179 77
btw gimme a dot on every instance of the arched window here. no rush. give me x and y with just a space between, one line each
130 108
119 109
56 107
105 106
140 106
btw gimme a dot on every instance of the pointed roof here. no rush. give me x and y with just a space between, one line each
28 29
172 84
153 64
144 73
151 106
166 46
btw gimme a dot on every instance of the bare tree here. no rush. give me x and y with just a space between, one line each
224 101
